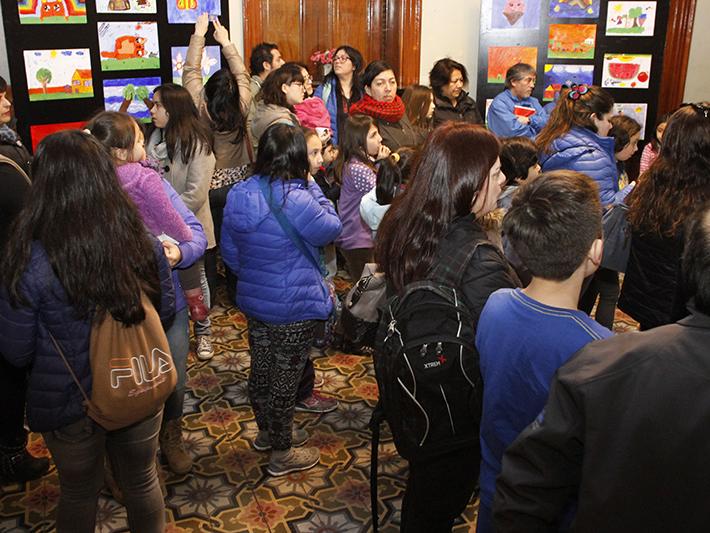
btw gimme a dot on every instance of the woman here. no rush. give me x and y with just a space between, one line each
341 87
677 183
653 147
274 224
58 275
419 103
456 181
448 79
382 103
282 90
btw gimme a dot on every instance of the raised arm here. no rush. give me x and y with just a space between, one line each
236 65
192 70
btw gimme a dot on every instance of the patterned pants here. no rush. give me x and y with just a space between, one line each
278 355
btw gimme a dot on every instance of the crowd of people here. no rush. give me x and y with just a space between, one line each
283 181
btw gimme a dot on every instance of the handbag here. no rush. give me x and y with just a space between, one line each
362 308
132 370
617 238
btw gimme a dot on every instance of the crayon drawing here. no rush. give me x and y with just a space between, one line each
126 6
211 61
187 11
52 11
58 74
130 95
635 111
501 58
556 75
514 14
574 9
40 131
128 45
633 19
626 71
572 41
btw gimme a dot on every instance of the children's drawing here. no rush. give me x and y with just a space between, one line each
52 11
40 131
58 74
514 14
187 11
126 6
572 41
574 9
501 58
557 75
128 45
635 111
626 71
634 19
130 95
211 61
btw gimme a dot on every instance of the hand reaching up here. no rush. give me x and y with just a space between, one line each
202 24
221 34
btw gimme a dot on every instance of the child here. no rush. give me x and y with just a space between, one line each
626 133
651 150
518 161
525 335
123 138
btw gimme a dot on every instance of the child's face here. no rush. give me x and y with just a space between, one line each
330 154
374 141
659 131
315 156
138 152
630 149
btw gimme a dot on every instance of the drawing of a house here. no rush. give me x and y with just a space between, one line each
81 81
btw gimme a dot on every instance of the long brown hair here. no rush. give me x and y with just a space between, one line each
452 168
679 179
417 102
353 143
570 112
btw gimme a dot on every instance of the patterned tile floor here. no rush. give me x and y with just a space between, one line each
228 489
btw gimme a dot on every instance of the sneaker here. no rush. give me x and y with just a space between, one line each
292 460
316 403
262 443
204 350
318 380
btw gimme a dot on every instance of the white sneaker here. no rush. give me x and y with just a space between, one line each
204 349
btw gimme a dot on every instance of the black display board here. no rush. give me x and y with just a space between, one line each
21 37
538 38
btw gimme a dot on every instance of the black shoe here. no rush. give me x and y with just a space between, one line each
17 465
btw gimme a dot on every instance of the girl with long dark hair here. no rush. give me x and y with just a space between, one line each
342 87
455 182
274 223
77 251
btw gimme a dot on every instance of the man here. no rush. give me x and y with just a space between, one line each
625 431
265 58
515 112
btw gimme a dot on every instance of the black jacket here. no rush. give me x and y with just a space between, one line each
13 186
625 432
465 110
401 133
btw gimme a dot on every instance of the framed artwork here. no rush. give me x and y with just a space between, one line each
635 111
52 11
40 131
513 14
572 41
129 45
555 76
574 9
126 6
58 74
501 58
211 61
631 19
130 95
626 71
187 11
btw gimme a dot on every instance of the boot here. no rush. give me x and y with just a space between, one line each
173 447
196 304
18 466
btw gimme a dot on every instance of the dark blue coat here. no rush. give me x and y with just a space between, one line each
53 399
276 282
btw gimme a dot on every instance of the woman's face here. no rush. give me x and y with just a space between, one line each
373 142
659 131
453 89
432 107
603 125
307 83
158 113
630 149
5 109
487 198
315 153
294 92
343 64
383 87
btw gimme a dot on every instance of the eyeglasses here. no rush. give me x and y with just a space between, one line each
341 59
297 83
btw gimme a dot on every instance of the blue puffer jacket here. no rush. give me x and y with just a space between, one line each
583 150
326 91
277 283
53 399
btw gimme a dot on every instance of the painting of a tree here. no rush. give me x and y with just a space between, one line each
44 76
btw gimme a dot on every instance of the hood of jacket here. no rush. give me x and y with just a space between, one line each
267 114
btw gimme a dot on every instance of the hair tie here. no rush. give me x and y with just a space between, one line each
395 157
87 131
577 90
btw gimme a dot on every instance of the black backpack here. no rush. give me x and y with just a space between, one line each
427 369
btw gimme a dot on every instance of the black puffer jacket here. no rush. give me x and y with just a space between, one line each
465 110
13 185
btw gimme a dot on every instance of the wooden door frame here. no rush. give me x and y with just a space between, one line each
676 54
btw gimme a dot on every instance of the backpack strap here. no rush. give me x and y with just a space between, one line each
451 271
69 368
8 161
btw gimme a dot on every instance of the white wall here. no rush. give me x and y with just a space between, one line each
697 83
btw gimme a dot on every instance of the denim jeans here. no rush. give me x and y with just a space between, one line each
204 327
179 341
78 451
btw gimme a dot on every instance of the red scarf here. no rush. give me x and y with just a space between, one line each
390 111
